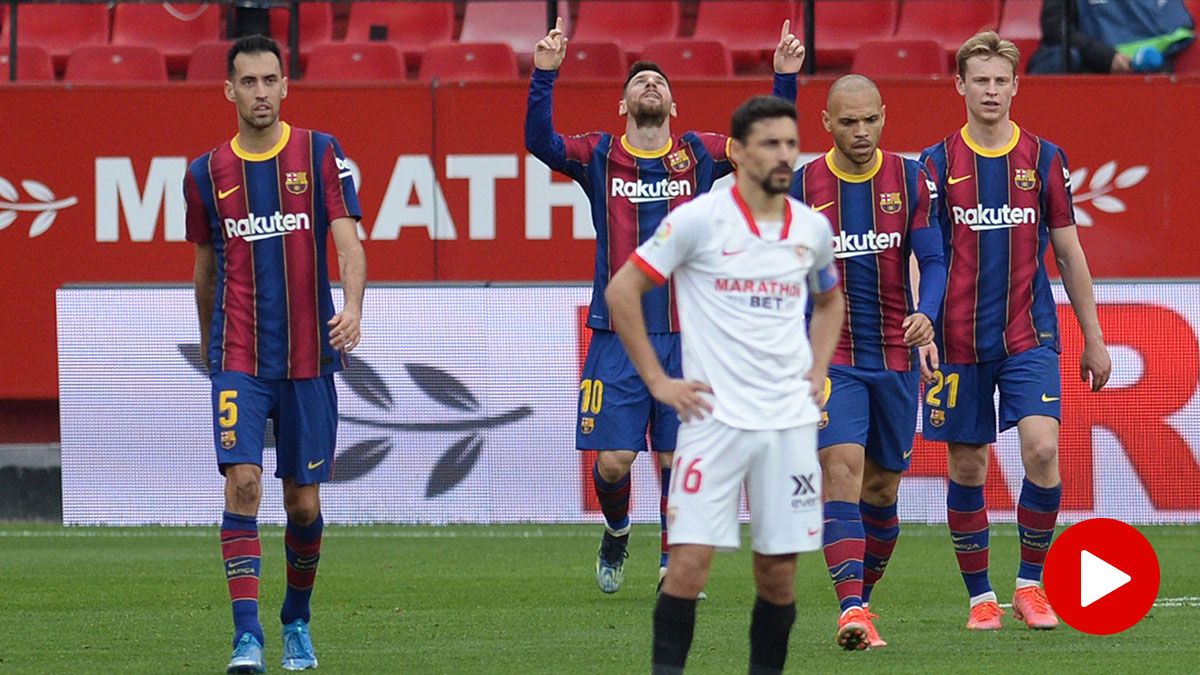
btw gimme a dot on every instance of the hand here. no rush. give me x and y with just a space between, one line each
1121 63
1096 363
344 330
550 51
918 330
789 53
927 357
816 385
684 397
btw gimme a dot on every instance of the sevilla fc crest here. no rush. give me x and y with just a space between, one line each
296 182
1026 179
680 160
805 255
890 202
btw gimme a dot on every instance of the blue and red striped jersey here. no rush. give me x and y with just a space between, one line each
998 207
630 191
267 217
879 218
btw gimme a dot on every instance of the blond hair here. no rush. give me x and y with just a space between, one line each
987 44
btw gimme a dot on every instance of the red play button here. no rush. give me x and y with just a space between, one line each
1101 576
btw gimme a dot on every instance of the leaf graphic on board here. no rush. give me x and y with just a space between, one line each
8 191
1077 177
454 466
191 354
1132 176
1103 176
442 387
367 383
42 223
357 460
6 218
1082 218
38 191
1109 204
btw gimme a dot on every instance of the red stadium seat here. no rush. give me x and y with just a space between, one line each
950 22
611 22
469 61
595 60
59 28
174 29
33 64
316 25
748 28
842 26
1187 62
899 57
518 24
683 59
345 62
208 62
116 63
411 26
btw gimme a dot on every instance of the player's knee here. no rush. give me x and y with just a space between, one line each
243 490
880 490
614 466
774 578
1042 453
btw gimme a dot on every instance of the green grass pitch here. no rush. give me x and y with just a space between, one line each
522 599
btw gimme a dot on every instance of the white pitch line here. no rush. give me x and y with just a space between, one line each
1186 601
336 533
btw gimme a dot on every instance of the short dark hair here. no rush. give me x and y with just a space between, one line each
640 66
759 108
252 44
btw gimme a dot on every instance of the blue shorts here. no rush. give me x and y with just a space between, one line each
304 413
959 405
615 407
876 409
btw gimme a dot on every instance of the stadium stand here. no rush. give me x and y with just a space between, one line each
343 62
950 22
174 30
412 27
749 29
33 64
116 63
469 61
597 60
683 59
59 28
316 25
841 27
518 24
899 57
610 22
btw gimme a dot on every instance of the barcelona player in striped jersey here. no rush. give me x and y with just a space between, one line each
1006 195
631 182
883 210
260 210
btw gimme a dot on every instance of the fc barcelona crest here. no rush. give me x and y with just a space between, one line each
680 160
890 202
587 425
937 417
1026 179
228 439
296 182
824 420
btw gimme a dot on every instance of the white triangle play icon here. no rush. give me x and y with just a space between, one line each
1097 578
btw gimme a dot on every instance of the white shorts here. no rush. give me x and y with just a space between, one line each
783 483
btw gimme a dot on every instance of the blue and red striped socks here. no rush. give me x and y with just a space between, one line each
968 521
665 483
881 527
844 546
242 553
1037 511
302 547
614 501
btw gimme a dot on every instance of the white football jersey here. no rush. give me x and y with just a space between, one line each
742 292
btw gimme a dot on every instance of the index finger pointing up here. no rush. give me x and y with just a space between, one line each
787 25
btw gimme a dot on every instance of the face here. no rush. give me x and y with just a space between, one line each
769 153
855 118
648 100
257 88
988 87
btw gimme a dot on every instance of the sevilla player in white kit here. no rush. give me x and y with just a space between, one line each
745 262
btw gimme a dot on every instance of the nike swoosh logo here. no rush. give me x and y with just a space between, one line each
822 207
225 193
908 453
313 465
813 533
727 252
963 537
955 181
1049 399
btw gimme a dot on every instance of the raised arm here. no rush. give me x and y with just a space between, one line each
789 58
540 137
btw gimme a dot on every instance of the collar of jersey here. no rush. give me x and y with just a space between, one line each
263 156
855 178
646 154
749 217
998 152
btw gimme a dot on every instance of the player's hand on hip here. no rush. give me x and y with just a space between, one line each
1096 363
684 396
927 356
918 330
550 51
344 332
789 53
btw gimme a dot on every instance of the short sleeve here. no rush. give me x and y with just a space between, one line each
824 276
199 231
1059 212
341 199
669 248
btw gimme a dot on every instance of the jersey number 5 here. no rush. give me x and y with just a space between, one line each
227 408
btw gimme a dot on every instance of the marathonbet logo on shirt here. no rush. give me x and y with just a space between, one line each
256 227
762 294
640 192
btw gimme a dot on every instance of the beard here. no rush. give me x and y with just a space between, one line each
649 116
260 122
775 184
